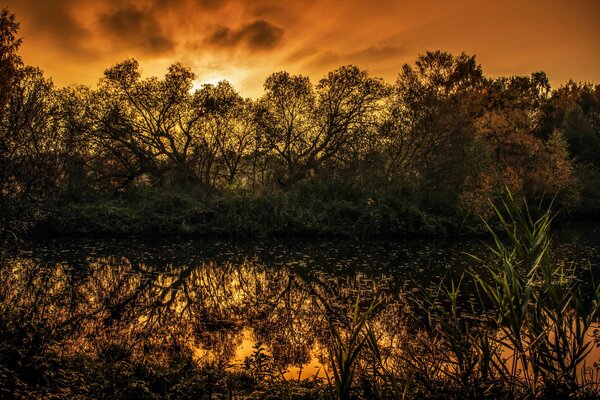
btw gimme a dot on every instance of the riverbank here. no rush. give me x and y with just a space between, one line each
300 212
306 211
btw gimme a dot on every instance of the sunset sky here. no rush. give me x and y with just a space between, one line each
74 41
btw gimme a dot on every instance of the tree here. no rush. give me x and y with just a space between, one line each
305 127
151 125
349 103
229 126
575 109
430 112
285 116
32 159
30 149
33 145
583 142
428 131
558 173
10 61
511 118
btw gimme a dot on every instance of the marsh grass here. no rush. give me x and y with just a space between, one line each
346 349
539 310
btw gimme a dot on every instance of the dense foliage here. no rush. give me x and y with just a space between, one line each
349 155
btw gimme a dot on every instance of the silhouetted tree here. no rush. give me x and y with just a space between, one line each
31 148
431 110
75 122
428 132
349 104
154 123
229 127
10 61
285 121
304 127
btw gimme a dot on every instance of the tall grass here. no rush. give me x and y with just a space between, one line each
464 360
540 312
346 349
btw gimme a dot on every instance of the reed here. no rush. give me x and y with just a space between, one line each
539 310
346 349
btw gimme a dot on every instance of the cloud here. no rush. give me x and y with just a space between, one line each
211 5
256 35
136 28
369 55
75 40
58 24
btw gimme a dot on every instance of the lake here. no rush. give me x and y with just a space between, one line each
265 306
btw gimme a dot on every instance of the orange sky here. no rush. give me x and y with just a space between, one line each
74 41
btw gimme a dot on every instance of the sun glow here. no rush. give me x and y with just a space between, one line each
197 84
238 78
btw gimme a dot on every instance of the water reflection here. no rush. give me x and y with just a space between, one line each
271 315
218 313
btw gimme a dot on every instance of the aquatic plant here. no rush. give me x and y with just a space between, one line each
542 317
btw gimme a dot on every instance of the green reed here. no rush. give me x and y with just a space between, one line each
346 349
539 309
462 355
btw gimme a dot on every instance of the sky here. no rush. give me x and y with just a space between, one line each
74 41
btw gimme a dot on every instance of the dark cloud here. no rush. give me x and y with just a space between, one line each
136 28
211 4
379 53
301 54
58 24
257 35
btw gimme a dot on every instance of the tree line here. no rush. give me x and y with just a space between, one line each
443 129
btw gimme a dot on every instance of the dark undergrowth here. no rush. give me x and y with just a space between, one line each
306 210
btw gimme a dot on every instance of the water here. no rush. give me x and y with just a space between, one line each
405 263
228 302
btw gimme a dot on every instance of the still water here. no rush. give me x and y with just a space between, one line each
229 302
424 260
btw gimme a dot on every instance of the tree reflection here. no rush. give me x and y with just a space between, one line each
245 322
